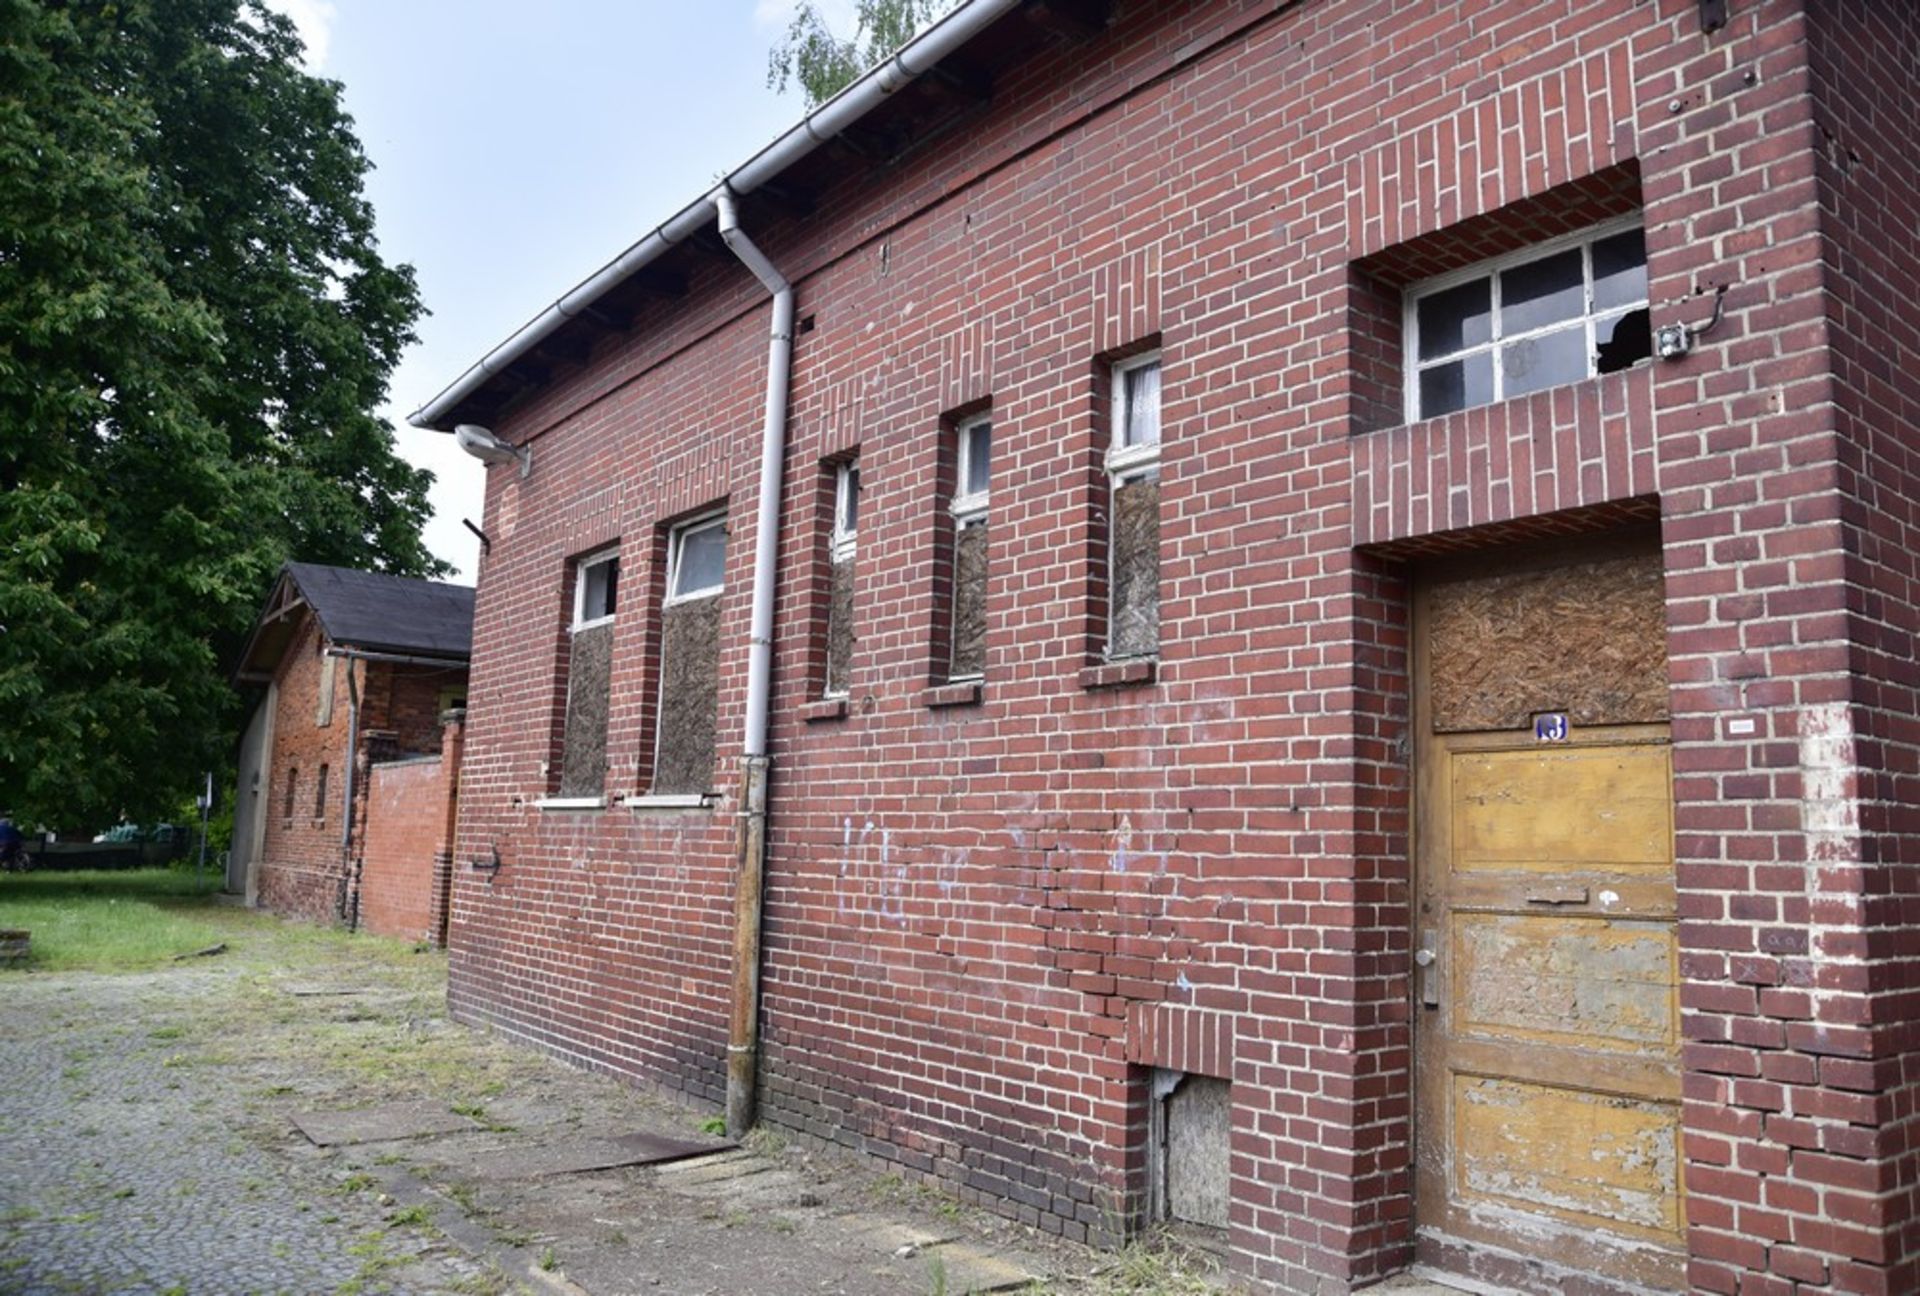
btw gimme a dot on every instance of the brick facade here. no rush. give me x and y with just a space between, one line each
986 923
406 862
304 868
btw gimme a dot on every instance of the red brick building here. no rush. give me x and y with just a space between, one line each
365 681
1341 638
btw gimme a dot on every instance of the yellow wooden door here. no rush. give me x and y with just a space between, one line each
1546 1019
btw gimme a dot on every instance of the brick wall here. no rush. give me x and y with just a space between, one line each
302 866
407 858
984 923
300 870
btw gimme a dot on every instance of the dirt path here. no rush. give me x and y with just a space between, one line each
149 1127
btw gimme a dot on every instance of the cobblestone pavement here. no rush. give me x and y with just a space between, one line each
148 1144
127 1168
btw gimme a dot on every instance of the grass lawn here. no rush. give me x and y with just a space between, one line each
113 921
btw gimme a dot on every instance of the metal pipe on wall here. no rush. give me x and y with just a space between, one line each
743 1038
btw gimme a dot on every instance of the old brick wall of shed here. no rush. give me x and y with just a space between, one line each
986 924
303 860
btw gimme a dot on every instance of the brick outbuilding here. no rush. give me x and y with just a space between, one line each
1341 643
350 765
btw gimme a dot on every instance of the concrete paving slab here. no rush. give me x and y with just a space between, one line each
969 1270
891 1237
577 1156
380 1123
760 1191
722 1173
694 1168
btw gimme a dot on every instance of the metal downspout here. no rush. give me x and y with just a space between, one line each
743 1039
349 870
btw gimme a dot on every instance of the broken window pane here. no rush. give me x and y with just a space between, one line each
1623 341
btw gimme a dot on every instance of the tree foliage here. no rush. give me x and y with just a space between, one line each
195 332
822 64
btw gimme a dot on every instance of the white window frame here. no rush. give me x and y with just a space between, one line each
677 540
581 568
845 492
1127 463
967 509
1490 269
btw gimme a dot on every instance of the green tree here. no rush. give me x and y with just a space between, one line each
195 332
822 64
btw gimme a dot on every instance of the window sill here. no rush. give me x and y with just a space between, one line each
1120 674
834 708
670 801
571 803
956 694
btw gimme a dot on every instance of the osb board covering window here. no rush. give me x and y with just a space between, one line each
1589 639
1134 611
1199 1124
840 626
583 761
969 653
689 694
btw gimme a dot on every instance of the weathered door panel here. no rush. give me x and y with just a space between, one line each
1547 1025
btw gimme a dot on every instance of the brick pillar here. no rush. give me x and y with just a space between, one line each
453 737
1786 1192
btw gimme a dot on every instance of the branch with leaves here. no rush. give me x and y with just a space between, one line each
822 63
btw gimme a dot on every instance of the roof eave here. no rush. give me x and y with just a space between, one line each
829 120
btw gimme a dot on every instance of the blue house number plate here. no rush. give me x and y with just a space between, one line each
1551 726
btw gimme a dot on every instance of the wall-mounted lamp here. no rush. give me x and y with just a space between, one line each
1674 341
483 445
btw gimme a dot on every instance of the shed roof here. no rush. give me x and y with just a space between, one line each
363 610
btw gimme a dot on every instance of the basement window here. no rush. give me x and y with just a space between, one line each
967 628
1190 1130
841 545
690 657
1553 313
583 744
1133 479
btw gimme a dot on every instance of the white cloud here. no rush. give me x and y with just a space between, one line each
314 20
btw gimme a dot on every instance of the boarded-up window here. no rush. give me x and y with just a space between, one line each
690 658
323 713
1133 469
846 522
1191 1131
967 648
583 763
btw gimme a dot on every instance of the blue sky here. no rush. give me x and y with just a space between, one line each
518 148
